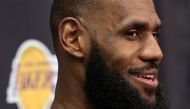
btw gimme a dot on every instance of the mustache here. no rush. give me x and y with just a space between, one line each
141 68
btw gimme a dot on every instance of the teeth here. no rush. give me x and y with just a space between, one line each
146 76
149 76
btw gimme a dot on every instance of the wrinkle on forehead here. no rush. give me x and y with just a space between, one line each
117 8
126 9
145 6
136 4
111 13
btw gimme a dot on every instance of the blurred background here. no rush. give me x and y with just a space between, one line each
28 63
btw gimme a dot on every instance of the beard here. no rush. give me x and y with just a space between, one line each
108 90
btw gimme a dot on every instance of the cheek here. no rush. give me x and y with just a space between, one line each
119 52
124 56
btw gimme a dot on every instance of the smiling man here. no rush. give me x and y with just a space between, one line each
108 54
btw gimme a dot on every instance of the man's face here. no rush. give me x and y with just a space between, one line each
125 35
107 89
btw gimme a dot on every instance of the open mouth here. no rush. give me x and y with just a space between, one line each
147 79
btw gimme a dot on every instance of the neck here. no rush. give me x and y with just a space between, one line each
70 92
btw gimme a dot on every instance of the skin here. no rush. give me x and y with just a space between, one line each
122 45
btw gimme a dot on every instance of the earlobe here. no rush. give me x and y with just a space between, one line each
69 36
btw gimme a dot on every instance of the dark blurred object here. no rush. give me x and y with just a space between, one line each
175 42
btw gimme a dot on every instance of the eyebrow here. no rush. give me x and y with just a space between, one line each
137 25
140 25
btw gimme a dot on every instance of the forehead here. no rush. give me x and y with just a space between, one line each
136 7
135 4
121 11
111 15
146 5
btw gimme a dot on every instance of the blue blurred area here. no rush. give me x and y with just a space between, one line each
26 19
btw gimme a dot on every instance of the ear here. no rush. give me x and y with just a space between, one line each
70 33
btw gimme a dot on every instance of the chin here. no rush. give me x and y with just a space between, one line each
149 99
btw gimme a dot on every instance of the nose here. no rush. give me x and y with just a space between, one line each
151 51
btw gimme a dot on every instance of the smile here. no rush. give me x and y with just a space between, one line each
147 78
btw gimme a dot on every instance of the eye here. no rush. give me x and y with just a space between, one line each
131 34
156 34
